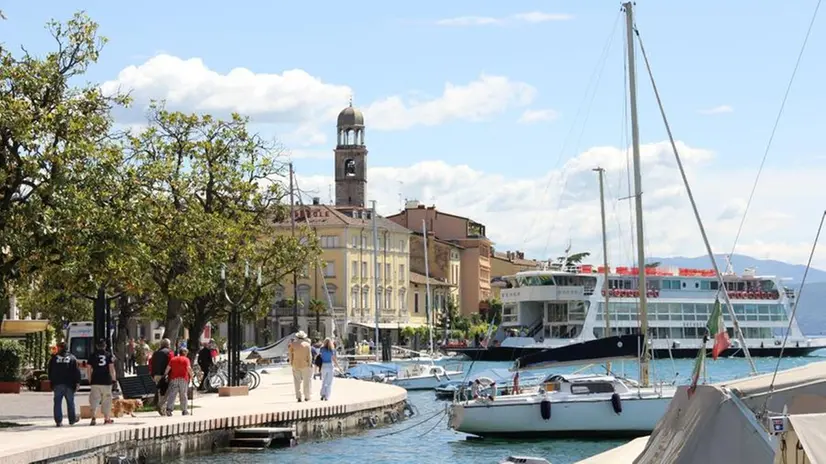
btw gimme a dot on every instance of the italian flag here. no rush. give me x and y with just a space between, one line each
698 367
717 330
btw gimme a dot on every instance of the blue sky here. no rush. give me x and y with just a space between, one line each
705 55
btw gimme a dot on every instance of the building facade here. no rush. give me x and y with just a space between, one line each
474 257
444 261
441 292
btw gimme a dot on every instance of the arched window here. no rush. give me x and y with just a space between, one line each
402 300
304 296
365 297
349 167
380 300
331 290
388 298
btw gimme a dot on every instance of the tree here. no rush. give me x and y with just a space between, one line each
215 189
51 133
494 312
318 308
573 259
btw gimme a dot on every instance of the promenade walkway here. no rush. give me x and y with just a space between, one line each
273 401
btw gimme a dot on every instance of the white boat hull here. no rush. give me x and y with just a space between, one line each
593 416
425 382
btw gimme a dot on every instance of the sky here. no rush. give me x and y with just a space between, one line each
499 111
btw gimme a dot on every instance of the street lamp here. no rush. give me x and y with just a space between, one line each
244 302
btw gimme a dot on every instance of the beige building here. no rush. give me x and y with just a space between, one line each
360 283
440 292
474 254
444 261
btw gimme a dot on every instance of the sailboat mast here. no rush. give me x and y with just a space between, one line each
427 298
606 311
376 270
635 143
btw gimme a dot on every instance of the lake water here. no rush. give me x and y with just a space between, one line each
432 441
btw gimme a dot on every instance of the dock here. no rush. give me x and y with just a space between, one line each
262 418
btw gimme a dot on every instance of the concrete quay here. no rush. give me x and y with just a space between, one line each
355 405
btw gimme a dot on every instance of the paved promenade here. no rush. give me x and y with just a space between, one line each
273 401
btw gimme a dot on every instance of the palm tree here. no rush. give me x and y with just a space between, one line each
318 308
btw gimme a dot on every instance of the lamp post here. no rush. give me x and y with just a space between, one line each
244 302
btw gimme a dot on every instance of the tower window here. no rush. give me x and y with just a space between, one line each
349 167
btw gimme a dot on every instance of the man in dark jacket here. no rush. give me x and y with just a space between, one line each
205 362
64 375
157 365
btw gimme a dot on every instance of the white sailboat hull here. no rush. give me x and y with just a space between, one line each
521 415
424 382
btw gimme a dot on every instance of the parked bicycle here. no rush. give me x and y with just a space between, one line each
218 376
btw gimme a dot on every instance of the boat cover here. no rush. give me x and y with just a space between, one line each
369 370
712 427
599 350
811 433
275 350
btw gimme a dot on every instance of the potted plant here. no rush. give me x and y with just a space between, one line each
45 383
10 359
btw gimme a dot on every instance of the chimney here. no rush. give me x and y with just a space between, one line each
316 201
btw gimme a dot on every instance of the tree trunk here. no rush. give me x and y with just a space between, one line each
318 324
172 327
119 348
195 329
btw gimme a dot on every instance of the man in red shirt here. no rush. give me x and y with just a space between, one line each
179 372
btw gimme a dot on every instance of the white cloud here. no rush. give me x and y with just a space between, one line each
530 116
475 101
531 17
305 103
722 109
535 215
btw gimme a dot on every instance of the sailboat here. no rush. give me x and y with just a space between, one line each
579 405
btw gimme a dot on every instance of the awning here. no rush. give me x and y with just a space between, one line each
811 433
390 325
21 327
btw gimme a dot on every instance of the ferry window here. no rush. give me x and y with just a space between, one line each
714 285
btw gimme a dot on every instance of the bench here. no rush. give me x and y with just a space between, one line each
142 370
139 386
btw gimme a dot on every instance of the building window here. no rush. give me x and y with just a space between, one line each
402 300
355 241
354 269
401 245
416 302
304 295
330 269
401 273
388 271
363 241
354 298
331 290
379 298
378 270
365 297
305 271
388 298
364 269
381 243
329 241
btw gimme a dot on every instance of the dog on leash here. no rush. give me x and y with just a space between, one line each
121 407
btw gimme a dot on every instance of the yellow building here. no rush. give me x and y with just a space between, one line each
345 234
508 263
444 262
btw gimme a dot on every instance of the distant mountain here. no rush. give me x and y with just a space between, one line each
811 311
740 262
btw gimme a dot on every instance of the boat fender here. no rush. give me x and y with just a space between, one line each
373 421
545 409
616 403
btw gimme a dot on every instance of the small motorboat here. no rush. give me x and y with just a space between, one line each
424 376
525 460
502 379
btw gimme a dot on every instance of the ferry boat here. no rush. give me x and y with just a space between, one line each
562 305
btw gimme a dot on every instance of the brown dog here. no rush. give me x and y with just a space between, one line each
122 406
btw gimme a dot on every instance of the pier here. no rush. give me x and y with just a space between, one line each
355 405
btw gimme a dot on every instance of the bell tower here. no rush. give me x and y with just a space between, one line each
350 158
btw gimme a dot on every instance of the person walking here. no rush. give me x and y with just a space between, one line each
206 359
316 360
157 367
301 359
64 375
327 353
130 356
102 375
179 371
